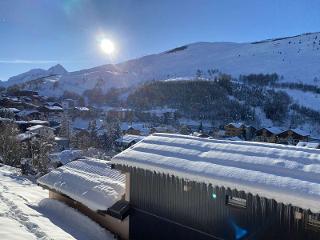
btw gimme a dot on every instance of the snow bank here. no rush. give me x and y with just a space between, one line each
285 173
86 228
89 181
26 213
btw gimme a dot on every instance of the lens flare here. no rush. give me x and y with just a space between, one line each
107 46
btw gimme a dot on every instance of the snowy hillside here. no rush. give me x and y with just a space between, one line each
27 213
296 58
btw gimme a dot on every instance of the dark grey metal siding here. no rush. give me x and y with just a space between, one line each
162 209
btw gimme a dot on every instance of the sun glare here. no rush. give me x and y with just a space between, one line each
107 46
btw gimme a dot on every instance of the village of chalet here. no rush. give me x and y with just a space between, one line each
113 165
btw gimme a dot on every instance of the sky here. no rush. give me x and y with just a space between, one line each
42 33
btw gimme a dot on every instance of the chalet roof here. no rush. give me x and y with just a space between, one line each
288 174
36 127
300 132
128 138
39 122
25 136
236 125
89 181
273 130
14 110
27 112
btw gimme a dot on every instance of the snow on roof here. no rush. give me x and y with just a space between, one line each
83 109
36 127
236 125
25 136
124 126
128 138
300 132
39 122
66 156
89 181
287 174
14 110
54 108
274 130
26 112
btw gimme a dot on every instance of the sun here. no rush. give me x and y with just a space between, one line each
107 46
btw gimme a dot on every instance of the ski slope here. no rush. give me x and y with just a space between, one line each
27 213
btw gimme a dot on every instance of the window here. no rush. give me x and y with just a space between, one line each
237 202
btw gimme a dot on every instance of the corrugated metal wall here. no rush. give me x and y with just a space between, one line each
204 209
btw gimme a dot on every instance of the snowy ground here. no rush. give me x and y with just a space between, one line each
27 213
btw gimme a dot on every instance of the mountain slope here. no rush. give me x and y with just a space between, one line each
296 59
35 74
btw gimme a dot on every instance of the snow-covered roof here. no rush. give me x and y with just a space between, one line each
300 132
36 127
82 109
124 126
128 138
27 112
66 156
236 125
89 181
39 122
274 130
25 136
287 174
14 110
54 108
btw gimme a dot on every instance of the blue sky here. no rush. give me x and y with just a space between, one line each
42 33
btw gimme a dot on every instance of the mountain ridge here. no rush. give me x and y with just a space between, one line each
294 58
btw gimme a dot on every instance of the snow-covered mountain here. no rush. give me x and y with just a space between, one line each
296 58
33 74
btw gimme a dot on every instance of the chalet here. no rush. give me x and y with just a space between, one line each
292 136
127 141
185 187
234 130
68 103
41 130
28 114
250 132
4 121
22 125
93 188
51 113
8 102
163 129
134 129
122 114
25 93
268 134
62 143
